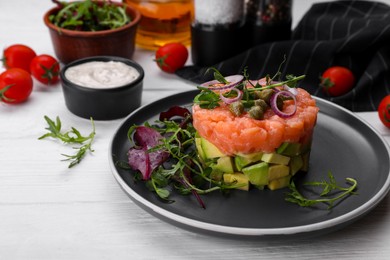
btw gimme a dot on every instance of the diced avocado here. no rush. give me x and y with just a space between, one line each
279 183
275 158
289 149
224 164
216 175
257 173
220 166
210 150
282 147
238 179
198 145
243 160
252 156
277 171
296 164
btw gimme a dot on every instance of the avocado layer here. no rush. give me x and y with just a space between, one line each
258 170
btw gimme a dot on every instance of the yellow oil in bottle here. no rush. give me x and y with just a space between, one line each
163 21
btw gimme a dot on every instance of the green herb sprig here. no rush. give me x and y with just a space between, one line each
209 99
328 187
89 16
72 136
186 174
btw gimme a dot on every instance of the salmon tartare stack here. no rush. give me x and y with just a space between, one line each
254 133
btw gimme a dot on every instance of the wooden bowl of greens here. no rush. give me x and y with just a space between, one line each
92 28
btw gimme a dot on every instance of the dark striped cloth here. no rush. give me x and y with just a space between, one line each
354 34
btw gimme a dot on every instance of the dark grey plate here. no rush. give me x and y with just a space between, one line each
342 144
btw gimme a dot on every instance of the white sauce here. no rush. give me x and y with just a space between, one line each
101 74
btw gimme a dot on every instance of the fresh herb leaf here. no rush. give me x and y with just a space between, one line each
207 98
328 188
183 171
217 75
89 15
72 136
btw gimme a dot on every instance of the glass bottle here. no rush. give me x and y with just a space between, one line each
163 21
216 30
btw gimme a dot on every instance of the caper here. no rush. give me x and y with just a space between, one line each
266 94
256 94
236 108
256 112
261 103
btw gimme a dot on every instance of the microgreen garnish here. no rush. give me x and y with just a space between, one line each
217 75
329 188
208 98
89 15
183 171
72 136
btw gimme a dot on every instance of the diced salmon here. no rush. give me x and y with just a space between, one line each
243 134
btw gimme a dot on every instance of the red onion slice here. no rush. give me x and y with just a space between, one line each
274 105
233 80
231 100
294 91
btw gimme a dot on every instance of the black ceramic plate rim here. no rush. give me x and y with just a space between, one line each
253 232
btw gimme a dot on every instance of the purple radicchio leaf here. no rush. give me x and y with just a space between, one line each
139 158
177 111
174 111
147 137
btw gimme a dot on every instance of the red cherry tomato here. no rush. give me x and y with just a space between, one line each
18 56
337 81
15 85
384 111
171 56
45 69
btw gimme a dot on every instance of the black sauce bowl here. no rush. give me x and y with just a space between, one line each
102 103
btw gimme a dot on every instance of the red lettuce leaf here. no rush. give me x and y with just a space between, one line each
140 158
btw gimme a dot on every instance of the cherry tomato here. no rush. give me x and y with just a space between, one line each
171 56
45 69
18 56
15 85
337 81
384 111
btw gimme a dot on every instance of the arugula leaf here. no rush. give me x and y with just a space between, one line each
217 75
207 98
72 136
89 15
329 187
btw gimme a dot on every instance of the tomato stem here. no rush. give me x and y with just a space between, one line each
2 94
50 73
161 61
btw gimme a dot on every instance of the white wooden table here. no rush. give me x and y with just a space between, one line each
48 211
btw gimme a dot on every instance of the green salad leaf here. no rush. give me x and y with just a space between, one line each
89 15
72 136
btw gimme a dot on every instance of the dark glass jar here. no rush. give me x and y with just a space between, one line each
212 44
217 30
268 20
